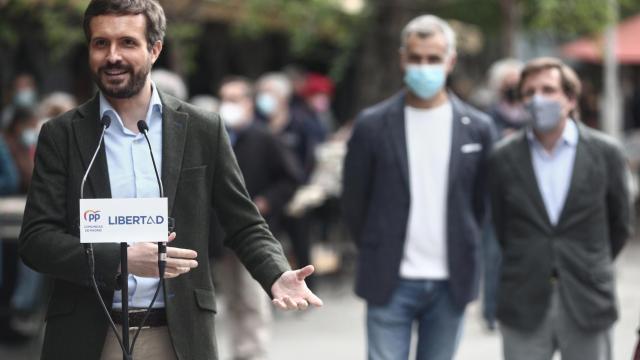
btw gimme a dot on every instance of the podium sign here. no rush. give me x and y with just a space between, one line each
130 220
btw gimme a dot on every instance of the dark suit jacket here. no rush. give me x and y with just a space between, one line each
199 172
269 170
593 226
376 197
268 167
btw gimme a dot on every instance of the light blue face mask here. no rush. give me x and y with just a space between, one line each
25 98
425 81
266 103
29 137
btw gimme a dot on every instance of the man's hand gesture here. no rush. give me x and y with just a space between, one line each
290 292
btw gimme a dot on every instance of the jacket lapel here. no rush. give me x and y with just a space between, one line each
87 130
457 129
396 123
174 134
523 165
580 169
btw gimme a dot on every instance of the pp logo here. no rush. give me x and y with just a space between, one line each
92 215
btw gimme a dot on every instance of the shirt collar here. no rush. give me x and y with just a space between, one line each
155 105
569 135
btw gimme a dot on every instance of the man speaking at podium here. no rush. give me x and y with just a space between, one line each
199 174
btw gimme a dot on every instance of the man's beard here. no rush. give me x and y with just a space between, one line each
129 88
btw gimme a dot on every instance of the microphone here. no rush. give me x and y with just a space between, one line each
105 122
162 246
144 128
88 248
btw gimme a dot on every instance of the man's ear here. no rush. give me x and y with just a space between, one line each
451 62
573 104
156 49
402 56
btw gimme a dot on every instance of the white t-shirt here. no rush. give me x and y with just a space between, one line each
428 134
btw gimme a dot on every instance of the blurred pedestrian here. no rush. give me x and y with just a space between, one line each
318 92
271 176
9 178
24 95
414 200
508 115
206 102
171 83
299 107
8 185
298 134
506 110
28 296
21 137
561 211
55 104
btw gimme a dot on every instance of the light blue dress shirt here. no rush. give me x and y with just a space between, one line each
131 175
554 169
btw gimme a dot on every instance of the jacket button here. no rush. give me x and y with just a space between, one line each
465 120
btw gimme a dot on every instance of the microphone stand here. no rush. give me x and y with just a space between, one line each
124 340
162 246
124 288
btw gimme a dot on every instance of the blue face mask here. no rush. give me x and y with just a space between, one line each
425 81
266 103
29 137
25 98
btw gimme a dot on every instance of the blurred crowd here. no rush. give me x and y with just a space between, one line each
23 292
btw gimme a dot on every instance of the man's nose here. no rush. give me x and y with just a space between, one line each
113 56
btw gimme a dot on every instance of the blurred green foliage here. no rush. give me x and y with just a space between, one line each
575 17
58 20
307 23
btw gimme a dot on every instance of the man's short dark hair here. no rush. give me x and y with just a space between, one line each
569 80
151 9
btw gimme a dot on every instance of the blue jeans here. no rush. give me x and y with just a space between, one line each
427 303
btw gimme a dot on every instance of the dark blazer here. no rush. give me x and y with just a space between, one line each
592 229
199 172
269 170
268 167
376 197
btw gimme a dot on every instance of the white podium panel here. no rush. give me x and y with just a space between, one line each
129 220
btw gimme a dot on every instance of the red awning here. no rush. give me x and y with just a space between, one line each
592 49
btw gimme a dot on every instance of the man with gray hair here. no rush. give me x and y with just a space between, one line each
414 201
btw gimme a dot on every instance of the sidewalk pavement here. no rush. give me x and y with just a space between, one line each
336 331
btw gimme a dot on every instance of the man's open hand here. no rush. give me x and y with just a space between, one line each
290 292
